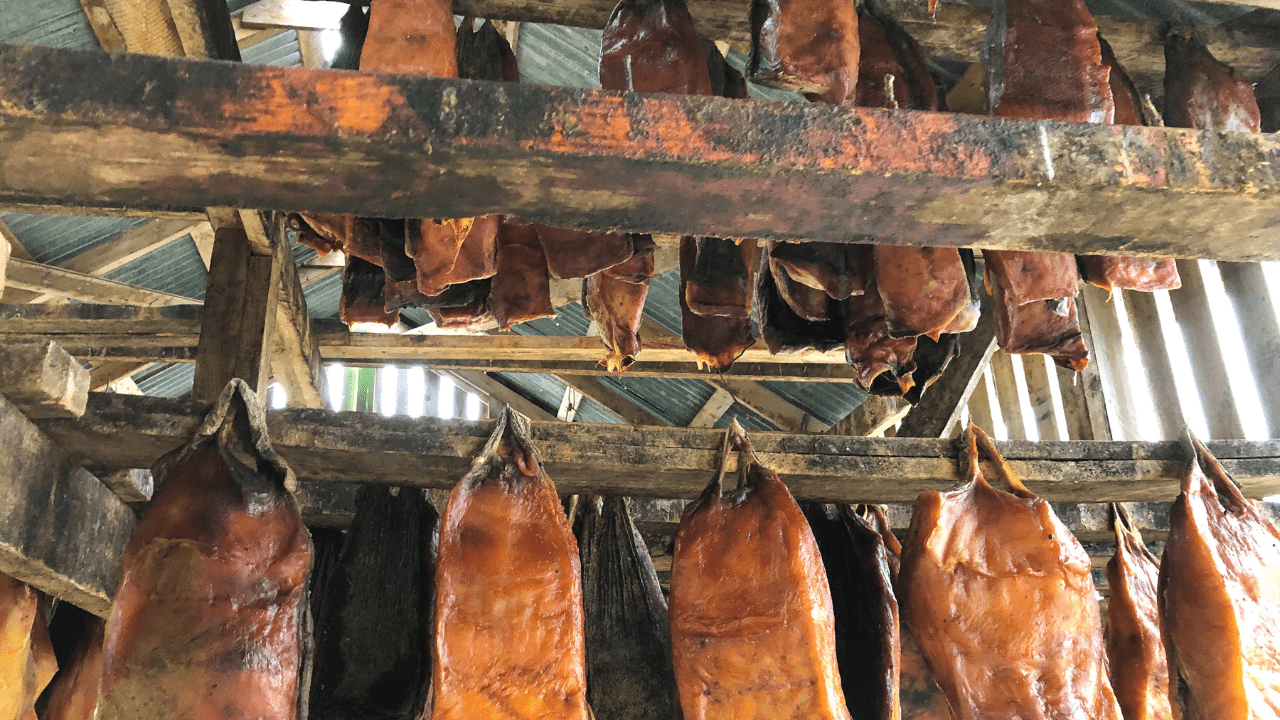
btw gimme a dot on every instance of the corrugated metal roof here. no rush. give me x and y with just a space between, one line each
745 416
54 239
545 390
58 23
175 268
280 51
166 380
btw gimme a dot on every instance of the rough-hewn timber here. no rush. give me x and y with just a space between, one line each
99 130
131 431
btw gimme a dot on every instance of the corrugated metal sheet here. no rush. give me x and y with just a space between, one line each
175 268
829 403
58 23
280 51
545 390
590 411
166 380
745 416
54 239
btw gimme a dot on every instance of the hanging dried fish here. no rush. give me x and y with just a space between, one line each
27 662
211 618
752 626
522 283
808 47
364 294
1135 649
508 617
615 298
629 674
786 331
1201 92
372 647
1219 590
1000 597
577 253
717 340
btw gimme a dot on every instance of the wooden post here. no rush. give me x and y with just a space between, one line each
239 318
942 403
980 404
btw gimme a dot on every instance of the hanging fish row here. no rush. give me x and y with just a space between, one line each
507 607
897 311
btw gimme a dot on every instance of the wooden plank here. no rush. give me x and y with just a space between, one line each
940 406
873 417
1036 373
240 300
43 380
68 285
980 404
131 431
850 174
1112 358
1090 379
107 373
1006 387
62 530
104 28
713 409
1191 308
1074 406
309 15
87 318
1153 350
569 404
6 249
614 401
32 208
1255 308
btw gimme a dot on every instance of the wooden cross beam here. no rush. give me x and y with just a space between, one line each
424 147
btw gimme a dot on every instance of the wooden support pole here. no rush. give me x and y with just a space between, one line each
132 431
713 409
942 403
419 148
54 282
62 530
240 316
43 380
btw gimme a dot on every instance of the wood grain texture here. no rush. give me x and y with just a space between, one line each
43 380
940 406
601 160
131 431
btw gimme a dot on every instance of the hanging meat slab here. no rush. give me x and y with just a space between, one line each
508 620
577 253
372 645
73 694
785 331
1127 272
468 305
838 269
808 47
1051 327
364 294
651 46
866 610
924 290
1030 276
718 340
629 673
485 54
27 662
722 277
1043 62
725 80
211 618
752 625
810 303
888 51
1135 648
930 358
614 299
1219 595
871 348
522 283
1201 92
347 233
1000 597
451 252
412 37
400 277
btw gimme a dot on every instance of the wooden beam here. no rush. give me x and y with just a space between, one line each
43 380
851 174
1254 304
6 249
158 320
942 403
612 400
569 404
873 417
1036 374
104 28
239 323
132 431
65 284
1005 382
1192 309
62 530
713 409
31 208
1157 366
107 373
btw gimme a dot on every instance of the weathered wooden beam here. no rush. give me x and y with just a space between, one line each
240 316
43 380
104 28
424 147
63 209
942 403
62 530
88 318
569 404
713 409
6 250
132 431
47 280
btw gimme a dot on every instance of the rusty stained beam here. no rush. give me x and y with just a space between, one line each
176 135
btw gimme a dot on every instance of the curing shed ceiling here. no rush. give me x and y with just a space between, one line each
548 55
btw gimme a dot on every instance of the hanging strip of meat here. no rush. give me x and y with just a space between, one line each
924 290
363 294
372 647
722 278
73 694
871 348
1041 326
834 268
650 46
211 618
614 299
629 674
351 235
930 358
1202 93
785 331
1219 595
1043 62
1127 272
577 253
1135 648
485 54
508 621
866 610
887 50
468 306
812 304
808 47
400 281
522 284
1000 597
716 341
27 662
752 626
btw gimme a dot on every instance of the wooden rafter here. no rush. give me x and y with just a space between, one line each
849 174
132 431
941 405
68 285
